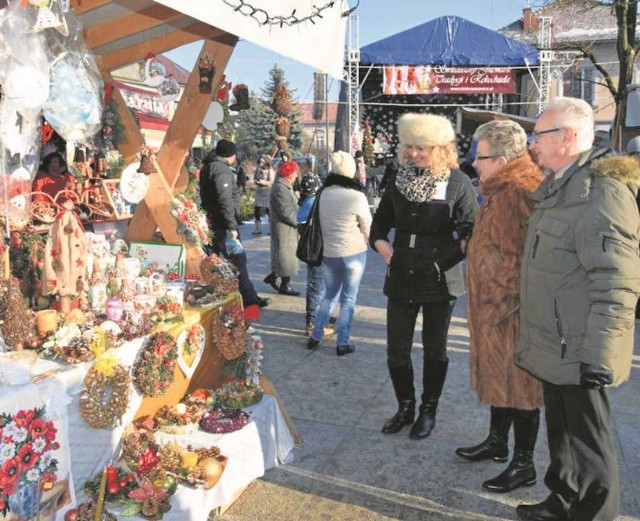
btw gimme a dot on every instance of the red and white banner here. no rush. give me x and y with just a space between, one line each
439 79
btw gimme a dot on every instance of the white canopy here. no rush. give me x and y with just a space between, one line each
319 42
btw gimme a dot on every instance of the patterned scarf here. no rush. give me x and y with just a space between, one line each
419 184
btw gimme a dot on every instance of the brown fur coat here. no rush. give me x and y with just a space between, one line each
494 256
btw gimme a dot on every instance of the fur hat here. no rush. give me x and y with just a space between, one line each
288 169
225 148
425 129
342 163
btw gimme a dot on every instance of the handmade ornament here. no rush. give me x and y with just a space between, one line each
105 397
213 117
16 320
283 125
239 394
192 220
222 420
229 331
64 259
253 362
148 500
179 419
220 273
154 71
75 114
281 102
169 89
153 371
119 484
206 72
191 344
146 161
241 93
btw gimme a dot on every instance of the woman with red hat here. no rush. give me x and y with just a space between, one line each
283 216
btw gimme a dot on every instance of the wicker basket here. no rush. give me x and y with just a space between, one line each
43 208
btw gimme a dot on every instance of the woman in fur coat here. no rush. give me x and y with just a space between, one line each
507 177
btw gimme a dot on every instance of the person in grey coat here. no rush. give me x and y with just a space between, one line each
579 284
283 214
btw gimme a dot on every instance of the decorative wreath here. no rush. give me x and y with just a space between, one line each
105 398
239 394
154 369
221 420
229 331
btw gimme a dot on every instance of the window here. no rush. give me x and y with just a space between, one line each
319 139
580 83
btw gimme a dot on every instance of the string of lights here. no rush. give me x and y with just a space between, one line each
264 18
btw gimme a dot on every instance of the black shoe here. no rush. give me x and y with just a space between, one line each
520 473
549 510
491 448
345 350
312 343
423 426
263 302
287 290
271 280
405 415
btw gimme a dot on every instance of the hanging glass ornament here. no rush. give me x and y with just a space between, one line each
154 71
169 89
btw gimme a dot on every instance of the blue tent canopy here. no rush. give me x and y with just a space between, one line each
449 40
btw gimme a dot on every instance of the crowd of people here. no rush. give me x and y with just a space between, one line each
552 280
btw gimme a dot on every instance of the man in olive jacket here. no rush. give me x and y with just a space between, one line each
580 281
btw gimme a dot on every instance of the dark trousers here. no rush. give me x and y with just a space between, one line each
583 473
401 323
245 286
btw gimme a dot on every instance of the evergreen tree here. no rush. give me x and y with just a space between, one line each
256 128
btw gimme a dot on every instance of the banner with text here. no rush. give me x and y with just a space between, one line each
439 79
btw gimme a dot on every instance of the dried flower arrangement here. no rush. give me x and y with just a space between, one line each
239 394
154 369
221 420
229 331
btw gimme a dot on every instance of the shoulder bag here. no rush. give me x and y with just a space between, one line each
310 244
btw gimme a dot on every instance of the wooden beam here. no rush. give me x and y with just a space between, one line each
162 44
179 137
84 6
130 24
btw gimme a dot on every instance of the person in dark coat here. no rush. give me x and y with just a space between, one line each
220 199
431 205
508 176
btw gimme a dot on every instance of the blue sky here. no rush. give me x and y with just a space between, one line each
250 64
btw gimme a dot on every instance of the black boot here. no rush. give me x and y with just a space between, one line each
285 288
402 380
435 371
271 280
495 447
521 472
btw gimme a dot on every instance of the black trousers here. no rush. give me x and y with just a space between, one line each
401 323
245 286
583 473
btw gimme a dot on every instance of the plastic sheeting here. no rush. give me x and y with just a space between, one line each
449 40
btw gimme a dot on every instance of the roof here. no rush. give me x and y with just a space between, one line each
306 113
572 21
449 40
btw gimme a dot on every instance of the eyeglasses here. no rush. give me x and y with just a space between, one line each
483 158
538 133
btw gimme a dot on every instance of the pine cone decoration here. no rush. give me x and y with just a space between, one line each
281 101
282 126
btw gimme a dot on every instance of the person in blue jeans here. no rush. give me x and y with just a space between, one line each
309 186
345 220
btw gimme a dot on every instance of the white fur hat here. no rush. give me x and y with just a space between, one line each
425 129
343 164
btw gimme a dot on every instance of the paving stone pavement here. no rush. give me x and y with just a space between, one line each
347 469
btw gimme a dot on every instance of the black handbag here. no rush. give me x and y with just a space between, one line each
309 248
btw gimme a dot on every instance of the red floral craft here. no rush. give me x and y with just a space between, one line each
27 440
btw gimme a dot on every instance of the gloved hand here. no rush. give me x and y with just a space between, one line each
594 377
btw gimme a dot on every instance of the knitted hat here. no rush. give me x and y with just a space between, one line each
288 169
225 148
309 185
342 163
425 129
264 161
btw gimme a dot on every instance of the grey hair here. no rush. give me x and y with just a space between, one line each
575 114
505 137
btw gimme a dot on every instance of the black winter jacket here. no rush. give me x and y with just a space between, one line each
427 241
219 195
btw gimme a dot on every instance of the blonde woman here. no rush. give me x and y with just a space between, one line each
431 205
